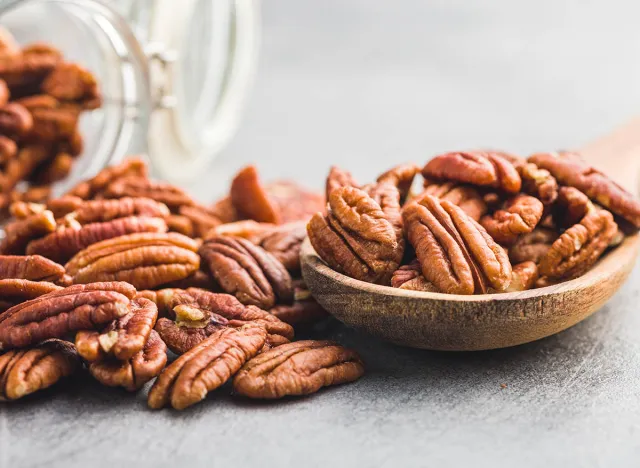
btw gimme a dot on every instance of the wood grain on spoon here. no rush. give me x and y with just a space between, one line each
466 323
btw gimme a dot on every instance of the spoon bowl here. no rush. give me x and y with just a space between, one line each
469 323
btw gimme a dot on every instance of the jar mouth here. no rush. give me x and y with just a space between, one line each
92 34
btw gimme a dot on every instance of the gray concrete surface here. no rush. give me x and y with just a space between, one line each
368 84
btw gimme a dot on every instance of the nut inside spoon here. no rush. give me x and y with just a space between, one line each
467 323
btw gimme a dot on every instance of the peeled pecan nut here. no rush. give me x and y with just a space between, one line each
356 237
538 183
247 229
64 244
8 149
297 368
25 371
202 218
15 120
132 373
53 315
20 232
64 205
410 277
570 170
22 166
198 279
206 367
247 271
520 215
145 260
90 188
29 67
224 210
133 186
388 197
57 169
294 203
532 246
483 168
572 205
122 338
339 178
105 210
181 338
464 196
29 267
180 224
15 291
402 177
579 247
71 82
22 209
51 124
456 253
305 309
523 277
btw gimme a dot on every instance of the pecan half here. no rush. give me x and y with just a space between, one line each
52 120
401 177
29 157
202 218
533 246
483 168
305 310
136 187
520 215
132 373
15 120
64 205
538 183
21 209
456 253
65 243
22 231
464 196
410 277
198 279
356 237
123 337
339 178
570 170
133 167
53 315
247 271
247 229
15 291
94 211
284 243
388 197
579 247
180 224
26 371
29 267
298 368
572 205
224 210
523 276
71 82
29 67
145 260
206 367
57 169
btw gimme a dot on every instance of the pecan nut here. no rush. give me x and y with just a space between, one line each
25 371
29 157
224 210
206 367
464 196
297 368
523 276
53 315
180 224
410 277
520 215
123 337
538 183
247 271
64 205
579 247
533 246
15 120
339 178
141 187
70 82
15 291
305 310
356 237
401 177
29 267
145 260
284 243
61 245
456 253
8 149
134 372
29 67
482 168
572 205
22 231
201 218
95 211
570 170
95 186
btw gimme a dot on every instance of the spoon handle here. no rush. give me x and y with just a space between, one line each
618 155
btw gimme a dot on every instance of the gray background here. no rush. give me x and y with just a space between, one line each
368 84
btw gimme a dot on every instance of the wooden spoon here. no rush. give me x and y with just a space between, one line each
467 323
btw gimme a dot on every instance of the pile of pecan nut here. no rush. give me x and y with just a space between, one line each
483 222
111 275
41 99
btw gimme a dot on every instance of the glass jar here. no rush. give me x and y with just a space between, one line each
174 75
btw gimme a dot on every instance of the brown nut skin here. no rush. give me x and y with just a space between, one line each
136 187
410 277
15 291
123 337
571 206
247 271
456 253
26 371
464 196
579 247
206 367
570 170
132 373
61 245
298 368
356 237
482 168
94 211
29 267
19 233
523 276
145 260
53 315
520 215
339 178
533 246
401 177
133 167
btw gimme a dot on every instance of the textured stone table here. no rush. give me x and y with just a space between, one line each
367 84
